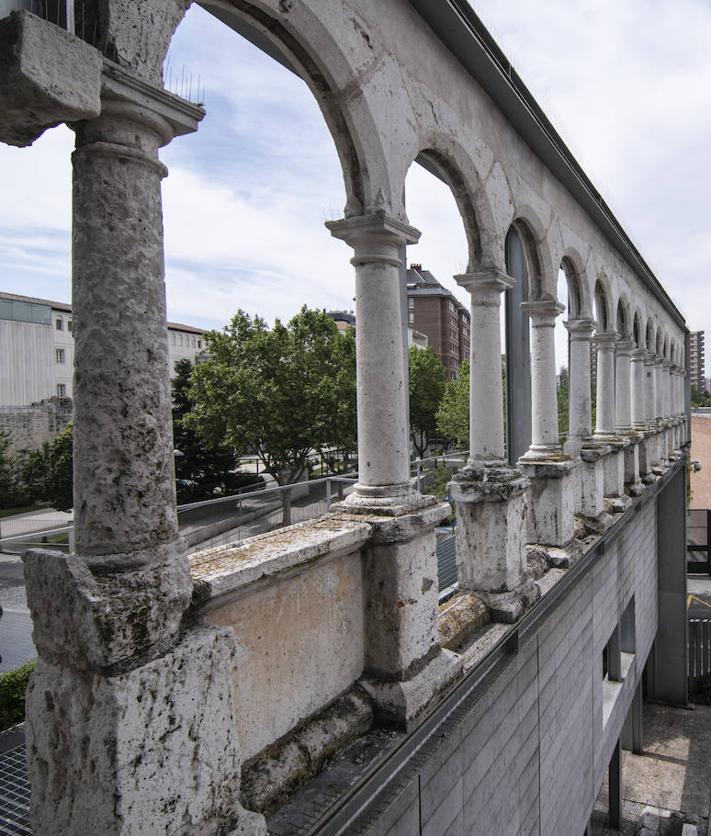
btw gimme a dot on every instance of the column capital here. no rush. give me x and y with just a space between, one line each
638 354
543 312
580 330
624 347
649 358
607 339
485 286
375 237
137 118
658 361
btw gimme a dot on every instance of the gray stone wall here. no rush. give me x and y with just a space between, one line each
528 756
30 426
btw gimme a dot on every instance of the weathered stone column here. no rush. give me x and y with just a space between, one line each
580 333
658 389
383 434
552 498
118 714
605 420
405 665
638 375
623 387
544 398
489 494
605 412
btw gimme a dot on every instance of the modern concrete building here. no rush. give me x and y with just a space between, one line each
697 360
312 677
37 349
436 312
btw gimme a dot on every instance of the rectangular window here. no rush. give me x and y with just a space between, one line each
411 317
61 390
411 303
60 355
59 324
70 326
199 343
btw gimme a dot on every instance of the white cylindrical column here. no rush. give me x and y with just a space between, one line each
580 334
650 388
623 387
382 386
486 412
658 389
638 378
666 377
544 400
605 401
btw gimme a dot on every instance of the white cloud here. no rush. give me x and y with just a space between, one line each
625 83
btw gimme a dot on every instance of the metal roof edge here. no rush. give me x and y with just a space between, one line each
460 29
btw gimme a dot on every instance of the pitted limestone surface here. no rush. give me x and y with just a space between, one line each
123 776
47 76
106 621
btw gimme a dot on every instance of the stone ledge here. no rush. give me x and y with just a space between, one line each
284 766
460 618
230 568
47 76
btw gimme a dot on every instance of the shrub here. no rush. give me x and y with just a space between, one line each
13 685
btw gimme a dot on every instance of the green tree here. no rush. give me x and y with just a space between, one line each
427 383
453 413
201 470
59 480
46 475
281 392
8 477
699 397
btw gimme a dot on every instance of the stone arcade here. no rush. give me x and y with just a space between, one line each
175 698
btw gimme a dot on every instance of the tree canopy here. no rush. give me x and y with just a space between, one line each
201 470
453 413
280 392
427 383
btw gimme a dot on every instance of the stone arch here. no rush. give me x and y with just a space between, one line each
659 347
541 271
307 46
623 322
665 347
457 170
650 337
579 306
603 303
638 332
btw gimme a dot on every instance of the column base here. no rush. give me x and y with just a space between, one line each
387 500
614 466
107 613
551 500
153 745
507 607
491 517
404 664
592 479
631 461
400 702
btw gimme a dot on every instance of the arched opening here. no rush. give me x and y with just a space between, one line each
256 241
637 331
601 307
622 323
568 293
523 265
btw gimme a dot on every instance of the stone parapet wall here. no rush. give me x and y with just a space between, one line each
30 426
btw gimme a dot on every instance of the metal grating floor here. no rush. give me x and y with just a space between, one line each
14 793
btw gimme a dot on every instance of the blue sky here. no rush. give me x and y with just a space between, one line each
625 84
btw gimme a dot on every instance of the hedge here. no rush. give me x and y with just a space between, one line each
13 685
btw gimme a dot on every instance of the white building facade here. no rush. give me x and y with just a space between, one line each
37 349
